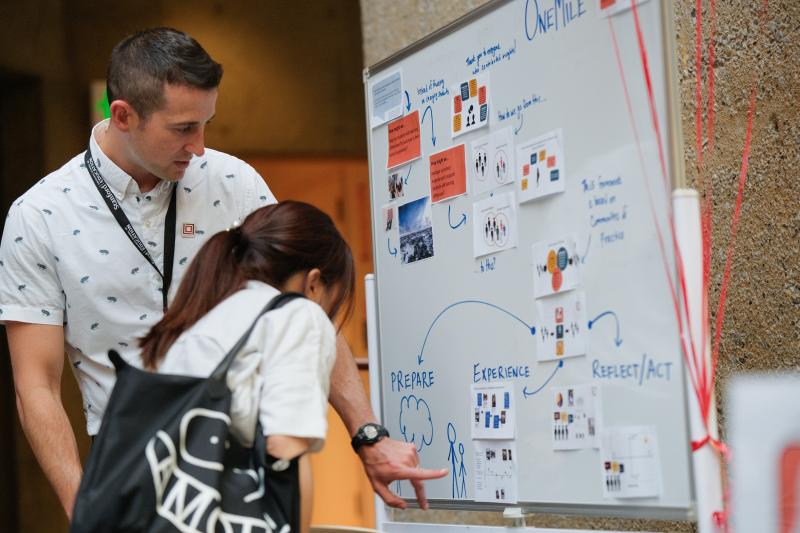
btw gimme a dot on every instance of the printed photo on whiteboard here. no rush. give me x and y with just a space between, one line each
492 411
494 227
395 183
555 267
492 162
416 231
540 166
388 218
608 8
495 471
575 417
469 109
386 99
630 462
562 326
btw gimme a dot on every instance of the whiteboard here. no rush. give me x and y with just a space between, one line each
448 321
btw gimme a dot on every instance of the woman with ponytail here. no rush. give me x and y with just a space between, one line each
281 376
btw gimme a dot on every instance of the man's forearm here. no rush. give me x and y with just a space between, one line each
348 396
53 442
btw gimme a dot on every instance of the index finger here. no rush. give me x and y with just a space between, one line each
419 473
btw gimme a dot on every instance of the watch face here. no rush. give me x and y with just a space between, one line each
370 432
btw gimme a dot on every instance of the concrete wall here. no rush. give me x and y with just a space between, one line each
762 321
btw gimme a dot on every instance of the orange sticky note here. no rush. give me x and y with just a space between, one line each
457 123
524 184
404 143
542 153
473 88
448 173
457 104
551 161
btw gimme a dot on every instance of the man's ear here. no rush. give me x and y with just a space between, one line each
313 285
123 117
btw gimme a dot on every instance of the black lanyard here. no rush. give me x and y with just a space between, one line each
127 227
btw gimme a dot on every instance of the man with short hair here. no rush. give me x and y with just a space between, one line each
91 253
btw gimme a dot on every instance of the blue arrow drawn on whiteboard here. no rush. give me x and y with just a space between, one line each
525 389
617 339
588 245
408 101
405 181
449 221
530 328
433 137
521 116
394 251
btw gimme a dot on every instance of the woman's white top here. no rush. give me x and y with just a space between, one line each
281 375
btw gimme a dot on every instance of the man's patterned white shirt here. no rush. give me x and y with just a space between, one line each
64 259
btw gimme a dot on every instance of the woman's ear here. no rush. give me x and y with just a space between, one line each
313 285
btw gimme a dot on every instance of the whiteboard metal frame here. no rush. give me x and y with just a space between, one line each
674 141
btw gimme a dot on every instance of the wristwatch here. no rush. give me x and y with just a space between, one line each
368 434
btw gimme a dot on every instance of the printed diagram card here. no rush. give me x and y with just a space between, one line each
495 224
561 326
388 218
492 411
555 267
395 183
575 420
540 166
492 163
448 174
631 468
416 230
495 471
404 143
386 99
470 106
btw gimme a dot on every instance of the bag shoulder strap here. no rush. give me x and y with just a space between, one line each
221 372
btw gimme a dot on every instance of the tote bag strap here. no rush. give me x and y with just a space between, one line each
221 372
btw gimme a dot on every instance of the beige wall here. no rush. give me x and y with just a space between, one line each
762 321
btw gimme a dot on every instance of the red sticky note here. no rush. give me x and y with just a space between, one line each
482 95
404 144
526 169
448 173
605 4
457 104
551 161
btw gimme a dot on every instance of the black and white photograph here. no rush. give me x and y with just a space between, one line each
416 231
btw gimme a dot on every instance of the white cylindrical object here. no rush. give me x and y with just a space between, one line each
374 375
706 461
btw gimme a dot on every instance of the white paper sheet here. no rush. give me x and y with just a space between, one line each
555 266
576 424
492 410
494 226
469 106
492 161
630 462
495 471
386 99
540 166
562 326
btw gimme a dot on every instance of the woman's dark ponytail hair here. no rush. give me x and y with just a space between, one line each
271 245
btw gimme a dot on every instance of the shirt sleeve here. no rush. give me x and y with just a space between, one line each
30 290
299 352
258 193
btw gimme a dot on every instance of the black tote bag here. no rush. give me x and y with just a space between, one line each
165 460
